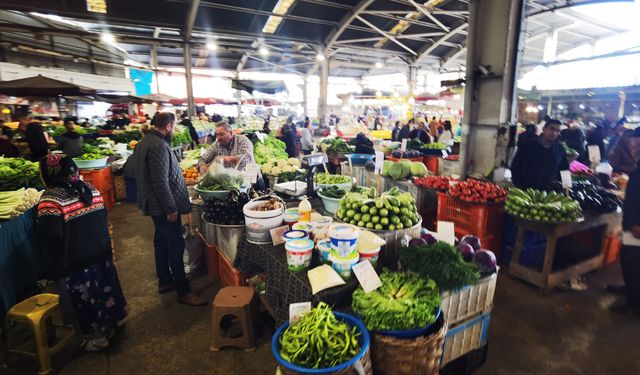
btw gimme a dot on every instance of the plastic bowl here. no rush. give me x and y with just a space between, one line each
360 159
411 333
330 204
364 342
218 194
89 164
346 186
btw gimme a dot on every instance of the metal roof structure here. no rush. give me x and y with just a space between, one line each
360 37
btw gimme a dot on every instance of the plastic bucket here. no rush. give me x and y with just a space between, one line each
307 227
343 265
295 235
364 342
343 239
371 256
298 254
259 223
324 247
291 216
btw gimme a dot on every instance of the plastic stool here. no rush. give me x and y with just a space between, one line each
36 311
236 301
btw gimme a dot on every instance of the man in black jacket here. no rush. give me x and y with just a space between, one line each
162 194
538 161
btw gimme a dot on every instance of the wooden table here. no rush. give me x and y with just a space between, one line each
546 279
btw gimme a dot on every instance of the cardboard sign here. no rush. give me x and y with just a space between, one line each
567 183
277 233
403 148
379 162
446 232
367 276
296 310
498 174
594 155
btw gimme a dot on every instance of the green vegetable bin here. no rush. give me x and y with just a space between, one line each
91 164
330 204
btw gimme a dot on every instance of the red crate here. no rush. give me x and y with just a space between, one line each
229 276
613 244
211 258
432 163
480 219
101 179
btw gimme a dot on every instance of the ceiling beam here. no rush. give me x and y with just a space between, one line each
427 51
328 4
418 37
428 15
153 58
344 23
275 65
403 19
386 35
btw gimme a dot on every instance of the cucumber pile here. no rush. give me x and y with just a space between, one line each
393 210
536 205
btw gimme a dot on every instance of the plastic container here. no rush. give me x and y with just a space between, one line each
321 226
431 162
371 256
330 204
295 235
304 210
469 301
89 164
364 342
307 227
480 219
298 254
218 194
259 223
324 247
343 265
291 216
360 159
465 337
343 239
346 186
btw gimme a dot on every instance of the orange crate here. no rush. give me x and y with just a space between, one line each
612 249
432 163
101 179
229 276
109 199
480 219
211 258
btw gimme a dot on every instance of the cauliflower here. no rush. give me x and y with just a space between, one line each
293 162
282 163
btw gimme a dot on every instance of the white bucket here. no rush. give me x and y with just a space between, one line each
259 223
298 254
343 239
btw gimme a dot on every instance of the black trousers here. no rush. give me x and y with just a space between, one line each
630 263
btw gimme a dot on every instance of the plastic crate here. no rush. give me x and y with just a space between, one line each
469 301
229 276
211 258
480 219
101 178
468 363
449 168
357 171
431 162
109 199
613 244
465 337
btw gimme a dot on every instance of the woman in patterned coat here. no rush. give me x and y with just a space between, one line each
72 230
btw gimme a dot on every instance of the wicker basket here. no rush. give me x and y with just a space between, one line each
120 187
420 355
362 367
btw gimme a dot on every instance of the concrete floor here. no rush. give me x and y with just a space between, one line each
561 333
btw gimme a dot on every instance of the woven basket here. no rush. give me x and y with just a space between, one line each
420 355
120 187
366 369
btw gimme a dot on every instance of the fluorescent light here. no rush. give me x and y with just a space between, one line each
560 106
379 65
212 46
97 6
582 106
108 38
320 57
263 51
281 8
540 107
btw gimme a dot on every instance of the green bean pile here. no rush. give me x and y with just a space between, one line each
319 340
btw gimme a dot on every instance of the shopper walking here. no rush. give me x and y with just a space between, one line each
306 140
72 229
433 128
395 132
625 154
288 136
162 194
447 135
405 132
70 142
36 137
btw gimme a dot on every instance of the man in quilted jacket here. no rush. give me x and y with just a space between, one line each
162 194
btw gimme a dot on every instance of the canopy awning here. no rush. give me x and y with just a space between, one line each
267 87
43 87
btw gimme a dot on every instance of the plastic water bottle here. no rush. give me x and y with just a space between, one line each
304 210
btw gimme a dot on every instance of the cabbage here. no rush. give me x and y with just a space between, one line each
418 169
396 171
472 240
486 260
417 242
386 167
406 168
466 250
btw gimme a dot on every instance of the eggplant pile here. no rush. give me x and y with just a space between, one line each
594 198
228 211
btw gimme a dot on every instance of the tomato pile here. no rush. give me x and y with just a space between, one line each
478 191
452 157
434 182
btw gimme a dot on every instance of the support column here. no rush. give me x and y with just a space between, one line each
305 105
324 84
239 99
191 107
489 103
550 106
411 82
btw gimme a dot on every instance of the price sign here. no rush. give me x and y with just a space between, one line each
379 162
567 183
367 276
446 232
277 233
296 310
403 148
594 155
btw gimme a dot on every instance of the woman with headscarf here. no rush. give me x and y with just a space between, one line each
72 228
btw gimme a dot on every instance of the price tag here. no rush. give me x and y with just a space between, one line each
367 276
498 175
379 162
277 233
403 148
567 183
594 155
296 310
446 232
261 136
445 153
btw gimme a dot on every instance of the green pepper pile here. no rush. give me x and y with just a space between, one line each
333 192
326 178
319 340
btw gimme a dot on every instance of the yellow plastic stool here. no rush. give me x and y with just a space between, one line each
35 311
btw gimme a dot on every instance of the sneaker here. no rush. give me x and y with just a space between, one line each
193 299
162 289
